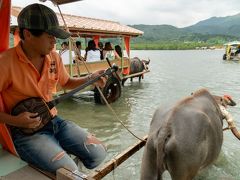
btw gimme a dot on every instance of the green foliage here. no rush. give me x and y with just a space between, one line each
166 45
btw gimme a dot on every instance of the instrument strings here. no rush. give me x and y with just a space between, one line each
43 109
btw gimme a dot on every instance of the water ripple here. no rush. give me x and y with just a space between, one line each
174 75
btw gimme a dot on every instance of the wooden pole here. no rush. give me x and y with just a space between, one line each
113 163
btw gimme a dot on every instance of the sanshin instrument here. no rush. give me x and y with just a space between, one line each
40 106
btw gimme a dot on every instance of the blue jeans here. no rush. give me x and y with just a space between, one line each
47 148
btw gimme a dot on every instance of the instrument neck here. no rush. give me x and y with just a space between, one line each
59 99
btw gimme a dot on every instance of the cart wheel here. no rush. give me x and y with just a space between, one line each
111 91
224 57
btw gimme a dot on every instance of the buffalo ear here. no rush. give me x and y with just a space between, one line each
223 102
221 99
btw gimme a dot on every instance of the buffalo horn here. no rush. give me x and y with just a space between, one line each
230 122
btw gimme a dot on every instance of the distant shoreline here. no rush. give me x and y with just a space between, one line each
175 46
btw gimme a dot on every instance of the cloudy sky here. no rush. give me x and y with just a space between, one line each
180 13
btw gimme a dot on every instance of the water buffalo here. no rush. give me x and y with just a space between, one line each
137 65
185 137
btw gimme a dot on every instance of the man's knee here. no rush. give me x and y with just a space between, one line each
58 156
62 160
96 150
91 139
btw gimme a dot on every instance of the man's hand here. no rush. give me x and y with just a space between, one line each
27 120
102 81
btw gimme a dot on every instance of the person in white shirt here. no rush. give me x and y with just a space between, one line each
64 47
77 50
92 53
109 52
64 53
66 56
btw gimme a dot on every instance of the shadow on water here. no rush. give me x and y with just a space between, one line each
174 75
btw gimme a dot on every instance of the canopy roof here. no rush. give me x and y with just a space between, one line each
89 27
233 43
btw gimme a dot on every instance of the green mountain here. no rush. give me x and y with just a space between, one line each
229 25
212 31
161 32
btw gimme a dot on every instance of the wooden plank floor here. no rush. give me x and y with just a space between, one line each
9 163
25 173
13 168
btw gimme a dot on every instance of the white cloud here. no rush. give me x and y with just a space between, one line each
178 13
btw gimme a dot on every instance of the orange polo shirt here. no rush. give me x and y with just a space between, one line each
19 79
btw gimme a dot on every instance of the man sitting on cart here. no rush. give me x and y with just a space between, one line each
32 69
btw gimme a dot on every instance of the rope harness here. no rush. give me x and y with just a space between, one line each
228 117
